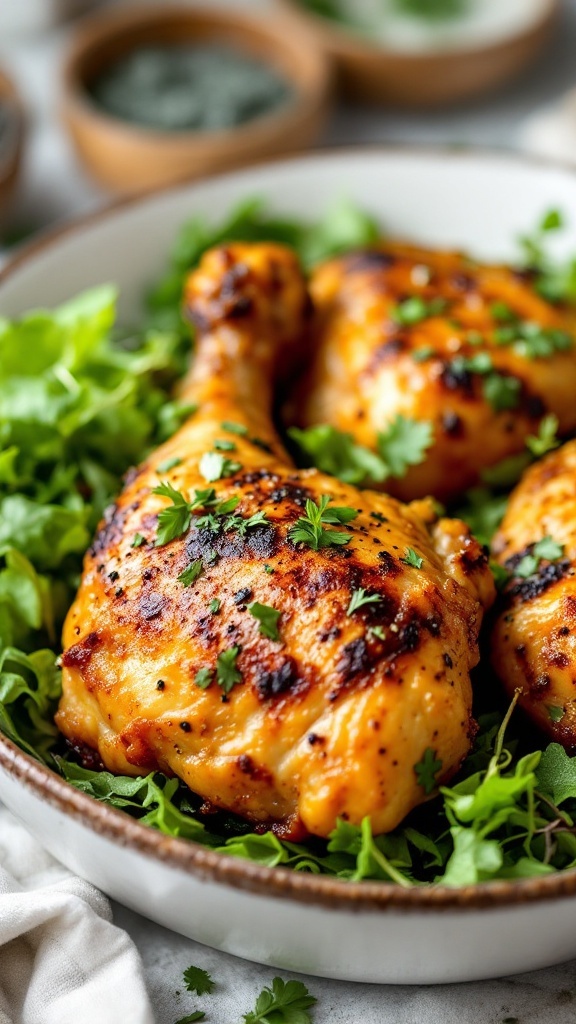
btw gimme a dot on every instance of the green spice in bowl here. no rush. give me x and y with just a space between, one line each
179 88
155 94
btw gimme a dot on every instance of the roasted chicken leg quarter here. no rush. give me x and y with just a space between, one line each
470 350
294 649
534 638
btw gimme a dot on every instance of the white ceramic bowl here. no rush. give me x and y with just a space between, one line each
371 932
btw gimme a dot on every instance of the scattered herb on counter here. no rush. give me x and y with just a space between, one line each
198 981
189 88
192 1018
284 1002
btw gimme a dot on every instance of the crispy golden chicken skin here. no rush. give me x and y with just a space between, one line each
534 638
328 716
454 355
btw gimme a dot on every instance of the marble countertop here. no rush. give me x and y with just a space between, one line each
54 188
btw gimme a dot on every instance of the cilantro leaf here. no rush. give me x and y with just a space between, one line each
173 521
545 549
191 573
213 466
546 439
227 674
556 774
203 678
415 309
404 443
310 529
268 619
548 549
234 428
168 464
336 452
198 981
359 598
284 1002
502 392
412 558
224 446
427 769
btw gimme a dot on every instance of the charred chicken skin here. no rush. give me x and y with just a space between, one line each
471 349
322 706
534 638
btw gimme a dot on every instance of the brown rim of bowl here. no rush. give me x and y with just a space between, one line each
186 855
11 97
344 38
99 30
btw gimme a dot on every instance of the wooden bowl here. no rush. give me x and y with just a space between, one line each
128 158
422 78
11 152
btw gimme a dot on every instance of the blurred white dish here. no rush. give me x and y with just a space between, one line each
21 16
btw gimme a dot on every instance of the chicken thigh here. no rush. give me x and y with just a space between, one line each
534 638
468 348
290 647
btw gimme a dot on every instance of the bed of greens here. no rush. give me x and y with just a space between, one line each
81 400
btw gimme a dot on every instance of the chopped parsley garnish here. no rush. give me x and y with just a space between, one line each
544 550
412 558
213 466
531 340
502 392
227 675
191 573
242 525
555 714
546 439
359 598
192 1018
168 464
427 769
198 981
420 355
378 631
224 446
215 605
234 428
173 521
138 540
268 619
204 677
311 528
336 452
415 309
284 1002
403 443
269 569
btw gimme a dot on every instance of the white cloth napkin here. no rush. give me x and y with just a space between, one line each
62 961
